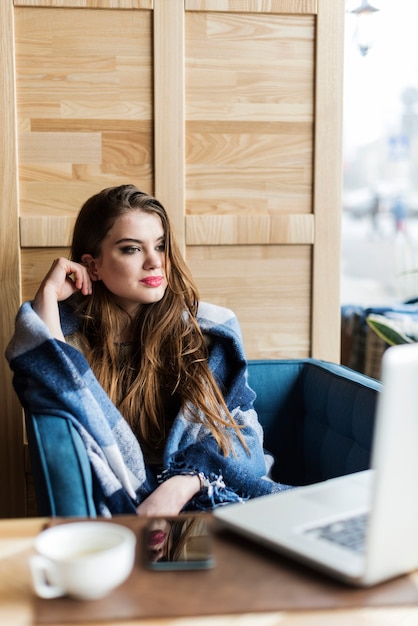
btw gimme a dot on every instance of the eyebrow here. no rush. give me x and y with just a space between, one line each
132 240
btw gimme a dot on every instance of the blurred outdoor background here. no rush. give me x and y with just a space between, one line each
380 189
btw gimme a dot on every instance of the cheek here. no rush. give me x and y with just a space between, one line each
114 268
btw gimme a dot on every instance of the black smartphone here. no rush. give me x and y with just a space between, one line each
182 542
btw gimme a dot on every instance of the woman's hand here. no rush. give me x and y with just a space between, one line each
170 497
63 279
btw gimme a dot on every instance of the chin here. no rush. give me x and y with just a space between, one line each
152 298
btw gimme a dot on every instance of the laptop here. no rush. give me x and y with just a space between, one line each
361 528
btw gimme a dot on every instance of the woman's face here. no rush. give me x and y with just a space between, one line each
132 260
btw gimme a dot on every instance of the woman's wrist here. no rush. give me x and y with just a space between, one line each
187 485
170 496
45 304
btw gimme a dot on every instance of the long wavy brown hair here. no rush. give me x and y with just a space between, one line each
167 357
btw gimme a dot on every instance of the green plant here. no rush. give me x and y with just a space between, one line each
391 331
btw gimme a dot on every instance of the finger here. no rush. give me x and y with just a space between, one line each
80 278
82 281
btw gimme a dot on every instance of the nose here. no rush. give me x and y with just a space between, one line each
153 260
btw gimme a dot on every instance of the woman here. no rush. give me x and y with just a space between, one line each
174 368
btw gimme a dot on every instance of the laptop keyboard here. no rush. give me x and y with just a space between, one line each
349 533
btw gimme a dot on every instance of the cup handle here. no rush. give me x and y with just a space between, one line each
43 578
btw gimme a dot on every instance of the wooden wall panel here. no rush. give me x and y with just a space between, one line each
249 113
258 283
249 166
249 169
84 104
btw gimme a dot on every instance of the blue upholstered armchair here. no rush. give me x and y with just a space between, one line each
318 419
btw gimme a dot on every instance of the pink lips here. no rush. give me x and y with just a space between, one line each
152 281
156 537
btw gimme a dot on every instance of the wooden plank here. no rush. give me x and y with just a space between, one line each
66 125
46 231
60 147
254 6
215 230
87 4
12 483
169 155
250 149
326 305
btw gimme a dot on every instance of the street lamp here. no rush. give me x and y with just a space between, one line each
364 33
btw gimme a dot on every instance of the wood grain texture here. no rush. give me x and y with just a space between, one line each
204 230
243 67
12 484
249 157
268 288
327 192
87 4
35 264
169 109
254 6
45 231
249 113
84 105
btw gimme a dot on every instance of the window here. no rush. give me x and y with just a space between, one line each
380 190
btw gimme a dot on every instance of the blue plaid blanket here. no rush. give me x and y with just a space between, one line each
53 378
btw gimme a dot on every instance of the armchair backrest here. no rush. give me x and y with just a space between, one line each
61 470
318 417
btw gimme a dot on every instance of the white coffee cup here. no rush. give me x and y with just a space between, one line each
84 560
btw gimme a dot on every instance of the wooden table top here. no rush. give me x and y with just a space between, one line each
16 595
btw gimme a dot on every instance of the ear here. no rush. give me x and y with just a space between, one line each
91 265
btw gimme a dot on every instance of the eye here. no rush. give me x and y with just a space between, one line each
130 249
161 247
